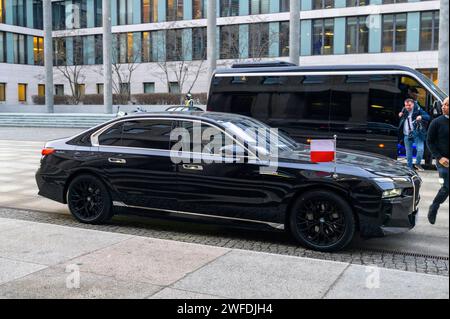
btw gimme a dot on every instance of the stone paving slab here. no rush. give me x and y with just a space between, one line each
243 274
147 260
13 269
375 283
51 244
51 283
170 293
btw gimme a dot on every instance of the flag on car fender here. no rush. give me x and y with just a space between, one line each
323 151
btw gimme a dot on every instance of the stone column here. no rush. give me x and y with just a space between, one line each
107 57
294 32
48 55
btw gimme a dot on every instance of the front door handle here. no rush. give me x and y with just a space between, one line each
117 160
193 167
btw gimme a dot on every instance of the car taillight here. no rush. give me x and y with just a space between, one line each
48 151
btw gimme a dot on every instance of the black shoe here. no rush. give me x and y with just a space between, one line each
418 168
432 213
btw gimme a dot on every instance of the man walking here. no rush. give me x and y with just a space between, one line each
438 145
413 131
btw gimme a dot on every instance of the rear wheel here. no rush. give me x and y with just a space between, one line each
323 221
89 200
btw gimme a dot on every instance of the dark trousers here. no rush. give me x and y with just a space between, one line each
442 195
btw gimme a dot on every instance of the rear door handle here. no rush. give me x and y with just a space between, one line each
193 167
117 160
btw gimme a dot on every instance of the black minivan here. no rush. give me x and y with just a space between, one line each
359 104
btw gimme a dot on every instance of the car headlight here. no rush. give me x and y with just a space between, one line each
390 193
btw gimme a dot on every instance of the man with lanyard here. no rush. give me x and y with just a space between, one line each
438 145
412 130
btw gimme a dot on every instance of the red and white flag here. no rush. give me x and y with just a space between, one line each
323 150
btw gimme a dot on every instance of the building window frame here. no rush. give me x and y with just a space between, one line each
22 93
360 23
2 92
394 30
324 24
434 42
229 8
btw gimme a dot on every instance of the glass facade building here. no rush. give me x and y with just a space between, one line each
248 30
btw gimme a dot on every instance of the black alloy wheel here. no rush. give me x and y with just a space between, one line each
323 221
89 200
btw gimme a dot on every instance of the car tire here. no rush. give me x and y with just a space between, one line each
89 200
322 221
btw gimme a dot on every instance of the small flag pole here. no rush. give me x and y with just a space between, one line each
335 175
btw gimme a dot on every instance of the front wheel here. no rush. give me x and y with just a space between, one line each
323 221
89 200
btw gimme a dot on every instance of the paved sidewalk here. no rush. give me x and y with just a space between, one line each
43 261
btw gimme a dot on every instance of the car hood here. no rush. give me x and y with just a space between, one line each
348 160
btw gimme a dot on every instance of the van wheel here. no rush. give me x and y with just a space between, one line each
89 200
322 220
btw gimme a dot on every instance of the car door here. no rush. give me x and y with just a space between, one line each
209 183
139 166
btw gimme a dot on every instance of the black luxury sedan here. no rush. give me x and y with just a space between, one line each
136 163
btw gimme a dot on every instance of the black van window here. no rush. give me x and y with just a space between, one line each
152 134
303 98
386 99
349 99
112 136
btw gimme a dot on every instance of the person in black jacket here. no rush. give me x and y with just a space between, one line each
438 145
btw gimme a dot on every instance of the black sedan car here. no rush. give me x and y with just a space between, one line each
135 163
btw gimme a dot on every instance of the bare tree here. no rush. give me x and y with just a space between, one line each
126 60
180 61
71 68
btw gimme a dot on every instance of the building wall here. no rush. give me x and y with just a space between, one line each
79 21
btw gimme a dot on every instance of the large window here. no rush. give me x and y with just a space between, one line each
2 47
2 92
2 11
394 1
259 40
38 50
78 51
357 3
229 42
429 30
229 8
20 48
323 36
357 35
124 12
198 9
284 38
37 14
174 45
149 11
199 43
322 4
125 48
284 5
174 10
259 6
394 32
147 55
59 15
98 8
19 12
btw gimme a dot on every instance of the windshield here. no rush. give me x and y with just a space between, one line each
257 134
431 86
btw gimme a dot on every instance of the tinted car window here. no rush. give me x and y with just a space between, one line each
152 134
204 138
112 136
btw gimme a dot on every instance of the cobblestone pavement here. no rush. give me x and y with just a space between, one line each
424 249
